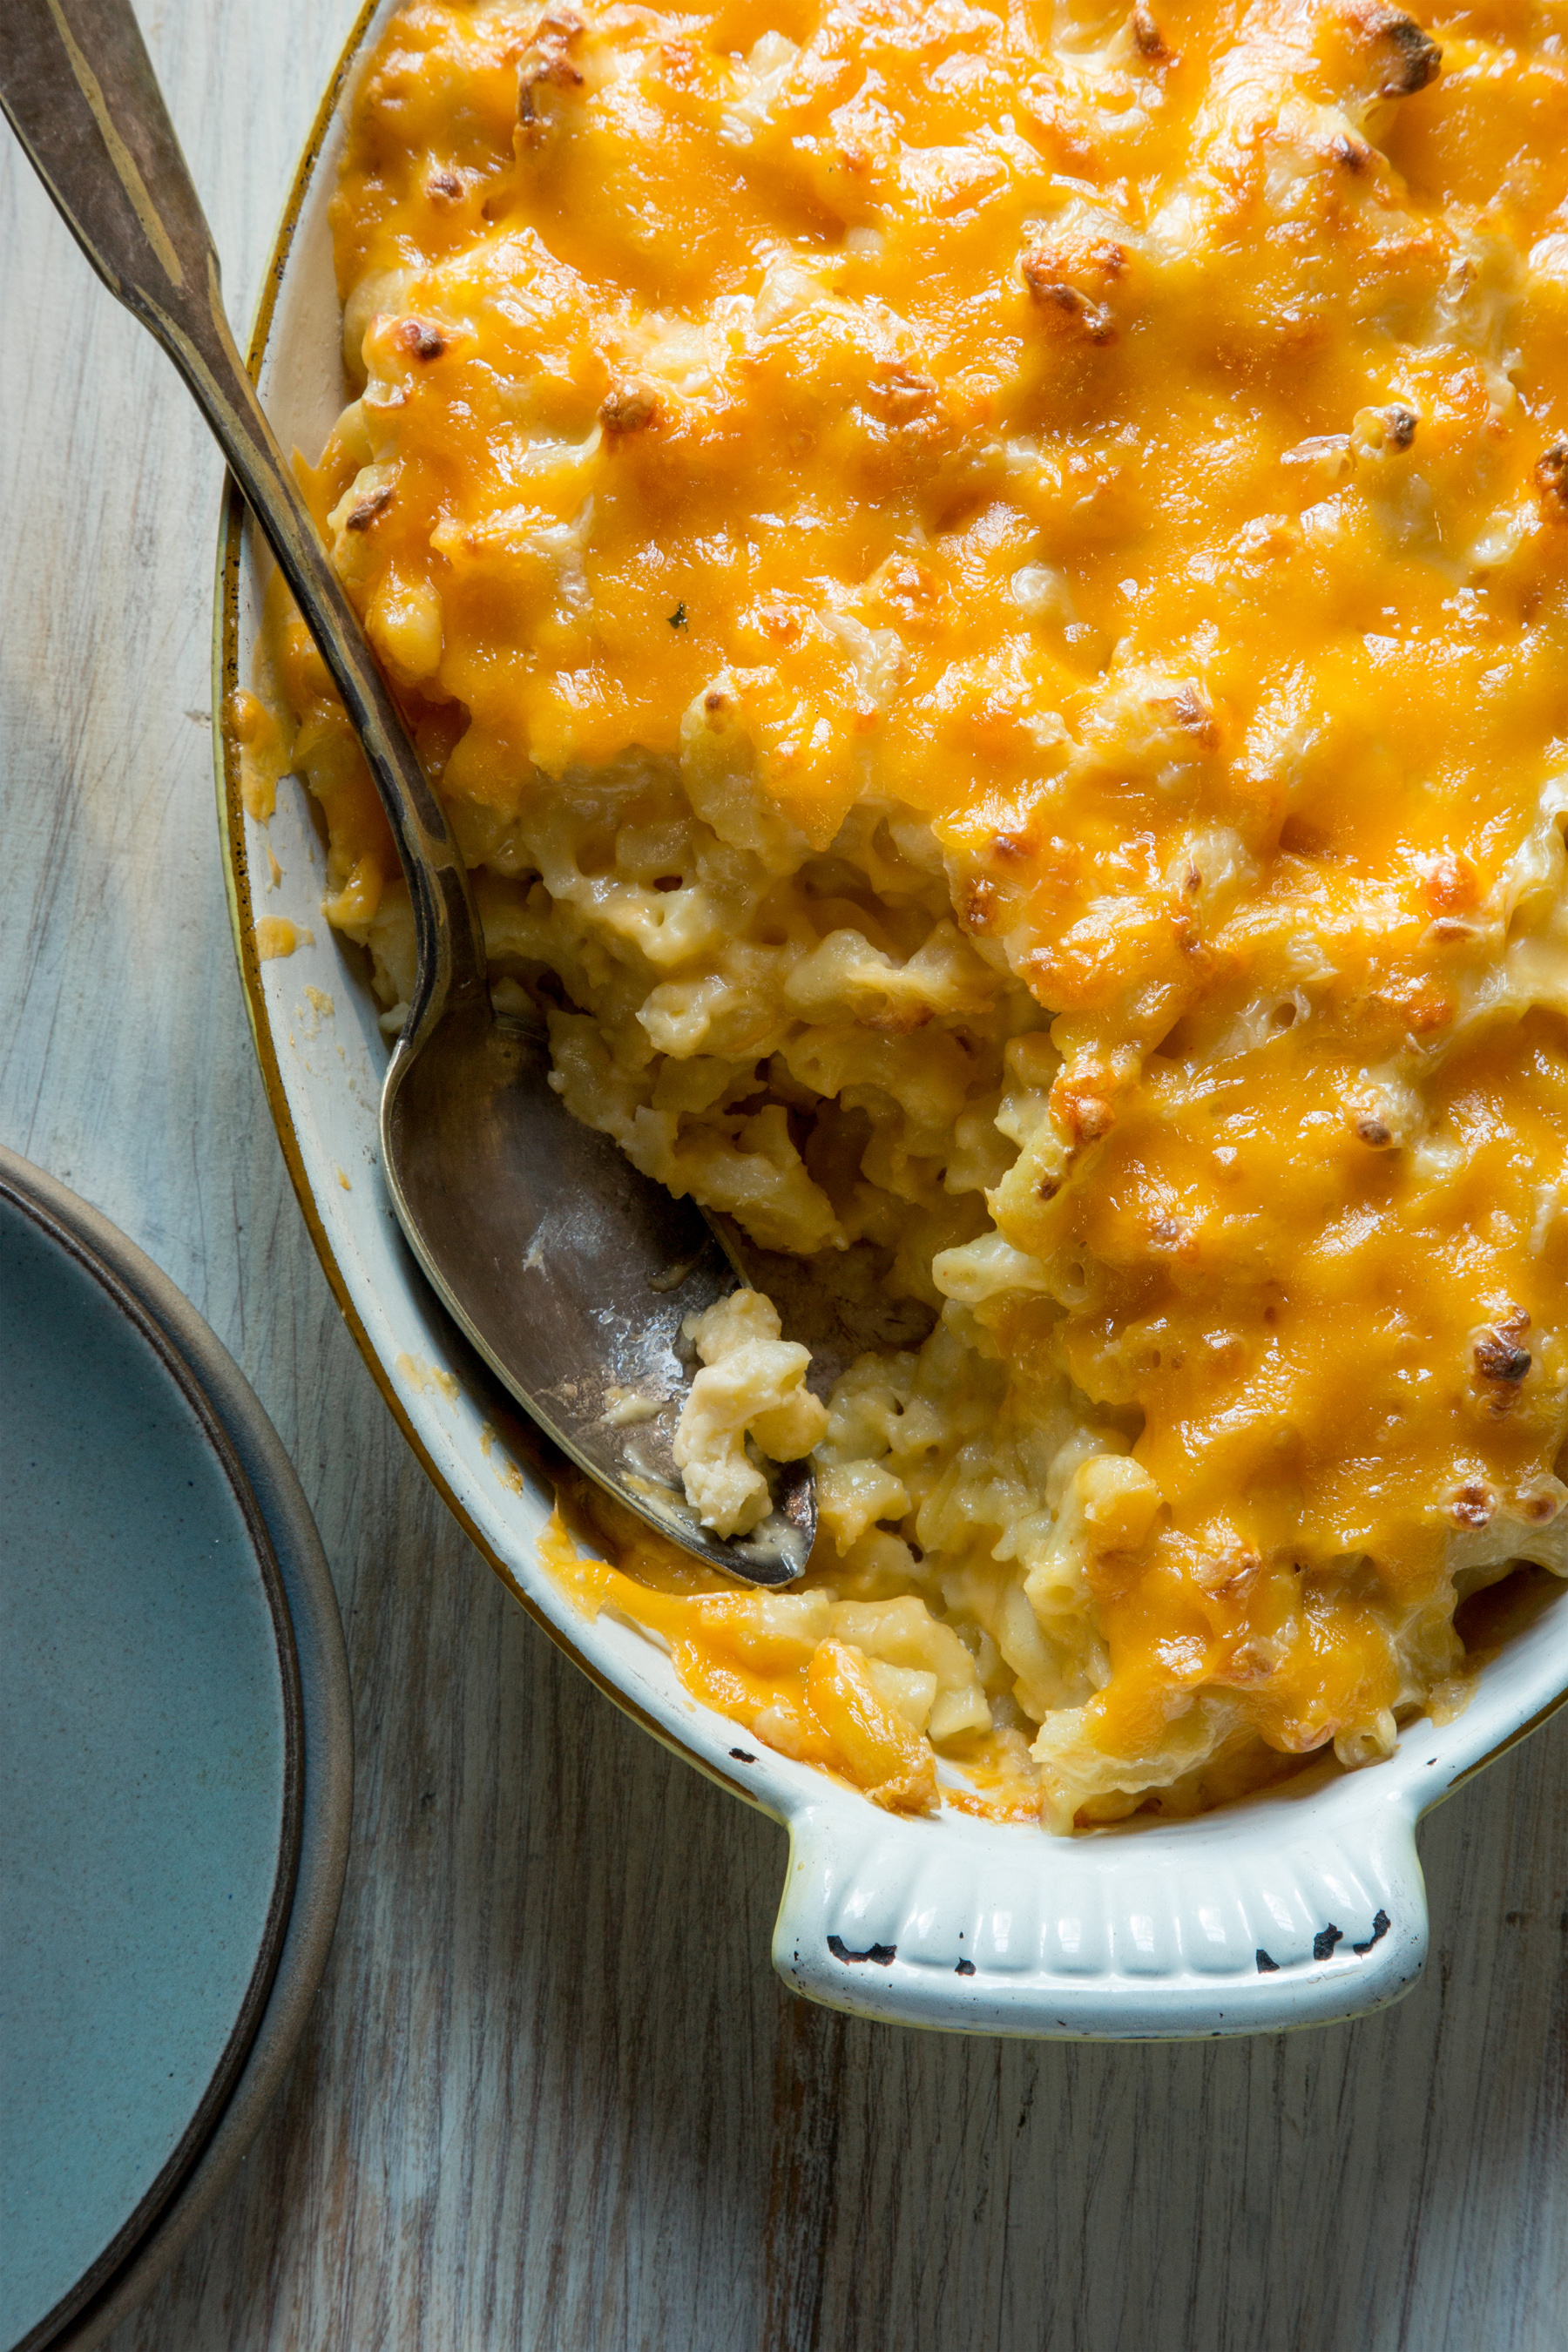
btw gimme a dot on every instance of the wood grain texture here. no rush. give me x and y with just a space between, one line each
550 2095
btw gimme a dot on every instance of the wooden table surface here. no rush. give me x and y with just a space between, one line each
551 2094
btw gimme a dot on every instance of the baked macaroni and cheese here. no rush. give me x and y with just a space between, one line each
986 588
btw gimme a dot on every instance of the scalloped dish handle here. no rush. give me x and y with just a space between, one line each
1241 1924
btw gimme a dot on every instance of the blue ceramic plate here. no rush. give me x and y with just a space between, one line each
151 1765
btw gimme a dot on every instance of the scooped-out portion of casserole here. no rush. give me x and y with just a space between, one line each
986 587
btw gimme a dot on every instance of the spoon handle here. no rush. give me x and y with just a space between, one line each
79 91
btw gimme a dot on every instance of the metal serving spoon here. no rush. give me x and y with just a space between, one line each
569 1271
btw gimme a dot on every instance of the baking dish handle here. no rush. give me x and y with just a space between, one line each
1273 1913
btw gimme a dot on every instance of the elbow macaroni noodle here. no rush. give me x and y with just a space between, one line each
986 588
751 1385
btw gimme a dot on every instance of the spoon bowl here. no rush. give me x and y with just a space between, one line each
551 1252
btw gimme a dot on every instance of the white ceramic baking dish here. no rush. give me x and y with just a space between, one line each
1294 1908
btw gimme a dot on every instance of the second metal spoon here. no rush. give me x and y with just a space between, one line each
569 1271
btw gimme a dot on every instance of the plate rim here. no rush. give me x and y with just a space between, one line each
317 1771
143 2215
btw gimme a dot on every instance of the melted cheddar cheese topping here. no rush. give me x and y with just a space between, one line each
1131 447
